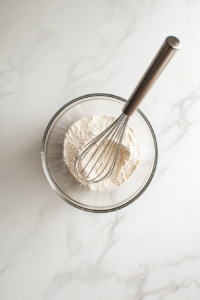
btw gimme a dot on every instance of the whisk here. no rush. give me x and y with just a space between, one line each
98 159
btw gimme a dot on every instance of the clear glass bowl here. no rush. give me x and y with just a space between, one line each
61 179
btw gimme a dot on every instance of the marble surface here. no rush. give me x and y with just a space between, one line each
51 52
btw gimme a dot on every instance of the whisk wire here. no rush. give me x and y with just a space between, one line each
89 145
112 141
115 157
112 136
104 150
95 140
117 152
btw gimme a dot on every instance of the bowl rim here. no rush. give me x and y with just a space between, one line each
56 187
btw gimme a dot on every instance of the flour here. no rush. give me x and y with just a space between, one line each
84 130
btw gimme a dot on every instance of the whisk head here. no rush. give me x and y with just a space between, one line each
98 159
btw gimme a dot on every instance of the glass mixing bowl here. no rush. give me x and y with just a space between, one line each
61 179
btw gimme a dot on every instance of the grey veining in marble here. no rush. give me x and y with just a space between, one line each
54 51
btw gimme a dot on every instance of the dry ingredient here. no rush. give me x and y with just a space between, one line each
84 130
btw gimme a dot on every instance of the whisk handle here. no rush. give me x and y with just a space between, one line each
167 50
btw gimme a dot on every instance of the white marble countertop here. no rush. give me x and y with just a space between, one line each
51 52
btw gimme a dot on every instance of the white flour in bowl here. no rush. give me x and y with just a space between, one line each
84 130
